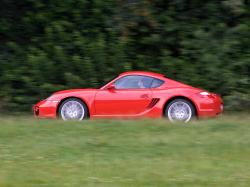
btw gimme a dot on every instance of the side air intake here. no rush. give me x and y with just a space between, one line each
153 102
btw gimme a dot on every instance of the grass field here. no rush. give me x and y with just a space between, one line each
36 153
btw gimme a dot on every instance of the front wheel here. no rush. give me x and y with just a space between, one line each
180 110
73 109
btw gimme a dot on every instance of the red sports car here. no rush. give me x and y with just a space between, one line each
130 95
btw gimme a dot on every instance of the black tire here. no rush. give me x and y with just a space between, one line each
191 109
79 103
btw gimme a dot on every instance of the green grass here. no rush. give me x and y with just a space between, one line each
36 153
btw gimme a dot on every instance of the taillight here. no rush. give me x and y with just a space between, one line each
205 95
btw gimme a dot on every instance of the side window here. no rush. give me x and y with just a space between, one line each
133 82
157 83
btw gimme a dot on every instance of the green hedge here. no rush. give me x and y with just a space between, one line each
49 45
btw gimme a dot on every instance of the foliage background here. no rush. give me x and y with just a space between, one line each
49 45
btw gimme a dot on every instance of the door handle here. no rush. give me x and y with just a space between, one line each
145 96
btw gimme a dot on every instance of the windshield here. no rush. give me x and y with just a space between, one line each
104 82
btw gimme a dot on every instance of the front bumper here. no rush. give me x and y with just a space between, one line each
45 109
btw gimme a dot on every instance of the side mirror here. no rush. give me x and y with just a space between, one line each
111 87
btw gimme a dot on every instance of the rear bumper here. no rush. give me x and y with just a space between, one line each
210 107
45 109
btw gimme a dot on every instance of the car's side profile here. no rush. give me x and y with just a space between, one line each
132 95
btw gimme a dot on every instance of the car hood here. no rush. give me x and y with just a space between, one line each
87 92
75 91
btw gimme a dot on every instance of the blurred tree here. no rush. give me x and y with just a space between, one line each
48 45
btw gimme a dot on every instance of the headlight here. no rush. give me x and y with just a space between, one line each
52 99
48 99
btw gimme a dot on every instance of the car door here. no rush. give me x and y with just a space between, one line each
129 97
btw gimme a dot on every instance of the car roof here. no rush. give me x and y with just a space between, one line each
146 73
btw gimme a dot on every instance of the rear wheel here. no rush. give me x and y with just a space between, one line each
180 110
73 109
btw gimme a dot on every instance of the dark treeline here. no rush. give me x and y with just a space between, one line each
49 45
